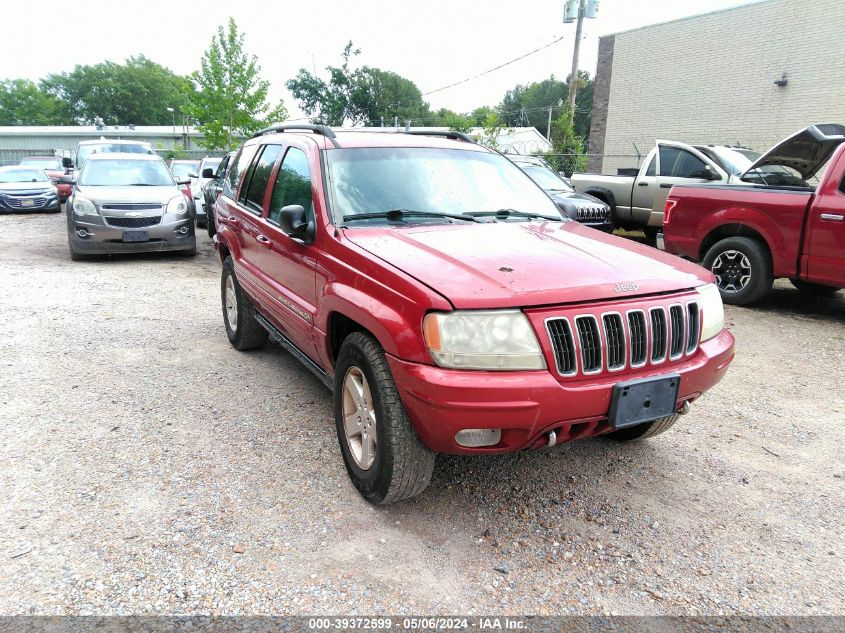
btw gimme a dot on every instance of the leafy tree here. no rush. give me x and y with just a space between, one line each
136 92
567 146
231 98
528 104
24 103
358 96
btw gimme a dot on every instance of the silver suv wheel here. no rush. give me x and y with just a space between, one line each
359 418
231 303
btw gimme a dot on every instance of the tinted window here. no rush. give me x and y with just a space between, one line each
293 185
650 170
242 161
127 172
260 177
679 163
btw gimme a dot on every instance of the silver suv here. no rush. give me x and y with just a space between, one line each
127 203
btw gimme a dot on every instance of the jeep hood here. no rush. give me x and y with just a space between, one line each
522 264
805 151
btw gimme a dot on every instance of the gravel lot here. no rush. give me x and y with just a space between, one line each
148 467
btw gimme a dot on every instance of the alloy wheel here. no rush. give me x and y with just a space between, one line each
732 269
231 299
359 418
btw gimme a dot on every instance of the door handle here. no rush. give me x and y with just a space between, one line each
667 185
833 217
642 184
263 240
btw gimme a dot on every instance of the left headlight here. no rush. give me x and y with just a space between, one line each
178 205
713 320
499 340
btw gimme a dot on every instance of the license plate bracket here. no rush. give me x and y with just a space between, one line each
27 202
643 400
136 236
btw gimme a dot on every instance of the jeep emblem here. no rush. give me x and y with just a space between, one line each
631 287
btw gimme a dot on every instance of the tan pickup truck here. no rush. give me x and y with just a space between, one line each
637 201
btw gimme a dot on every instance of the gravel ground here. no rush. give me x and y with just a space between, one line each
147 467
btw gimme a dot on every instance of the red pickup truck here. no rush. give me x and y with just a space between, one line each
441 295
782 224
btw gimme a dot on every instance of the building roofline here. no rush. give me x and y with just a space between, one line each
743 5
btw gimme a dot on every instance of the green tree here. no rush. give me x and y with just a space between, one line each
136 92
567 146
357 95
529 104
230 97
24 103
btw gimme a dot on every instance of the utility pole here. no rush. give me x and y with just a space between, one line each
573 79
549 127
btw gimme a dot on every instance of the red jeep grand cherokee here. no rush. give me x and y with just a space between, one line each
438 291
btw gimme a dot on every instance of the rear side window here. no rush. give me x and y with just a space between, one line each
293 185
241 162
650 170
252 193
679 163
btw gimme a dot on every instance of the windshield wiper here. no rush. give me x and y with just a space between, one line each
399 214
512 213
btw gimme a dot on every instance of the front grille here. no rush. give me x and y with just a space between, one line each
614 335
637 329
133 223
17 203
592 214
119 206
590 341
563 345
612 341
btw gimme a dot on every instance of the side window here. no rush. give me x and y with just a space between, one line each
241 161
679 163
650 170
293 185
252 193
842 185
221 168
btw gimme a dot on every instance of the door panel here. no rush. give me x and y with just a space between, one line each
644 187
826 243
289 265
679 164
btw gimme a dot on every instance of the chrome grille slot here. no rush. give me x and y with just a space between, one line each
658 335
614 335
637 332
563 346
589 340
130 206
676 332
693 327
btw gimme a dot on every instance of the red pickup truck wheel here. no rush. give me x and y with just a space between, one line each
814 289
385 459
743 269
243 330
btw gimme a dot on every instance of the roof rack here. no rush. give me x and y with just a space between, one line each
323 130
445 133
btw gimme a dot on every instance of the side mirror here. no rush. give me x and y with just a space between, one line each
68 179
184 181
294 222
706 174
67 163
208 172
193 174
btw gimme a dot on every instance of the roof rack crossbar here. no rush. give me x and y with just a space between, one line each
445 133
323 130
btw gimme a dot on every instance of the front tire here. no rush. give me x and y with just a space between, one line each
743 269
384 457
644 431
820 290
243 330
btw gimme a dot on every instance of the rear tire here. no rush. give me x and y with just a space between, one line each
820 290
385 459
644 431
243 330
743 268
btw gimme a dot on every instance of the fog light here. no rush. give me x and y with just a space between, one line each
82 233
183 230
473 438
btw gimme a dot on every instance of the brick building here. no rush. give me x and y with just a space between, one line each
712 79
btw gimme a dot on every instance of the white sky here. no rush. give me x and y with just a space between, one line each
436 43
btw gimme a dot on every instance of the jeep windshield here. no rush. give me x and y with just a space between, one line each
376 182
125 173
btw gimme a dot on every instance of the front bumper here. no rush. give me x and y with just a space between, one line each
528 404
15 204
173 233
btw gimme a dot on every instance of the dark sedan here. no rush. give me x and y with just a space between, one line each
27 189
577 206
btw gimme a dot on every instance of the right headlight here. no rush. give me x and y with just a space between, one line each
713 320
83 206
500 340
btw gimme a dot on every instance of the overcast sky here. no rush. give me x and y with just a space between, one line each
438 43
